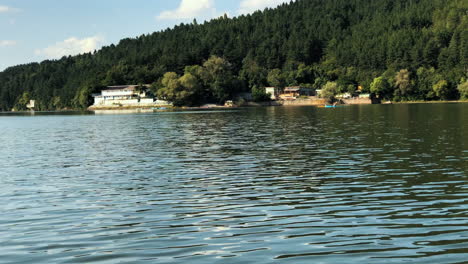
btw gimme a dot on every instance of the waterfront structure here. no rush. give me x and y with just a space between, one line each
31 105
123 95
229 103
273 91
126 96
344 96
292 92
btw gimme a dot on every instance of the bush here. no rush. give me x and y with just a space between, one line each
259 95
329 90
441 89
463 90
381 87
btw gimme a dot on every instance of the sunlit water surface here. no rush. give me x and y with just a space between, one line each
358 184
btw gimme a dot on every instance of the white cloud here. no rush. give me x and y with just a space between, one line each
5 9
71 46
189 9
5 43
250 6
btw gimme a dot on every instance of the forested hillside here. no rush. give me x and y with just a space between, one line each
397 49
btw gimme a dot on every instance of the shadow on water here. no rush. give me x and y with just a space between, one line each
44 113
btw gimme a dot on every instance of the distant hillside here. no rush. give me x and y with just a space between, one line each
418 48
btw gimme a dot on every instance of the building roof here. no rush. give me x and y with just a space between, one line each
292 89
123 87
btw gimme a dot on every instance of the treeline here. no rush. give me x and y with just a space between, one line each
397 49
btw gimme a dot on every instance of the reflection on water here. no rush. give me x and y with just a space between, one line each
363 184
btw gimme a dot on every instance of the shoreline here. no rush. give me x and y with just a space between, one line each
263 104
220 107
432 102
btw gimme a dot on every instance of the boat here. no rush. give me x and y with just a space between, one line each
331 106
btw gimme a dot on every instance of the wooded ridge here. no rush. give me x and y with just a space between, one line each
396 49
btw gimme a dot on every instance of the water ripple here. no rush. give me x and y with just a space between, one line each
364 184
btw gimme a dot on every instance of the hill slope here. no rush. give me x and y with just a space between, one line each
306 42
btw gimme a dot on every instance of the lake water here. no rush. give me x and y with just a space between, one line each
357 184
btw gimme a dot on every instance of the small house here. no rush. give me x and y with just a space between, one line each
293 92
229 103
31 104
273 91
344 96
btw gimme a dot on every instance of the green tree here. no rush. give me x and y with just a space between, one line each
463 90
83 97
181 91
329 90
140 88
115 75
171 88
252 73
425 81
217 75
304 74
381 87
57 102
259 94
441 89
195 70
319 83
276 79
403 83
351 89
191 94
23 101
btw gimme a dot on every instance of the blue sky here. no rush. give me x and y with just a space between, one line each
33 30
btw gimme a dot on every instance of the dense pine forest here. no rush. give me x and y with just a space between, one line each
395 49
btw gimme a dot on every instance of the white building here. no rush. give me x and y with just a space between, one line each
124 95
32 104
344 96
274 92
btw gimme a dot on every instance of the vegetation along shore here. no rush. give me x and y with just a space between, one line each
394 50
